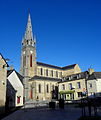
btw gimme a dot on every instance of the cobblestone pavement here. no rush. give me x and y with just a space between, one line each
68 113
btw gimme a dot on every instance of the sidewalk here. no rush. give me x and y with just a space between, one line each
69 113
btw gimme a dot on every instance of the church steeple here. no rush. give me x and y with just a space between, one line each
28 55
28 37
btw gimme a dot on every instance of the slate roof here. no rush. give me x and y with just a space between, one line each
9 72
94 75
76 76
82 75
19 76
45 78
69 67
57 67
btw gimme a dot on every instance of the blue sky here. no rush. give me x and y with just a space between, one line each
68 31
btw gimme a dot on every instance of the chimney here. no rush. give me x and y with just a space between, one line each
90 70
11 67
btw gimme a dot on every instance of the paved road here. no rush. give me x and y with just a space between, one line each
69 113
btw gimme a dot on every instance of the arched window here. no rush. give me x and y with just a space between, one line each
47 88
41 71
52 73
56 73
52 87
46 72
39 88
31 60
60 74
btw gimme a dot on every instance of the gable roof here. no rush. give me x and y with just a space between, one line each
94 75
57 67
69 67
9 72
19 76
4 59
48 65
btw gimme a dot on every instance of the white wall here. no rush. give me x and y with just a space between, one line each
93 89
17 85
98 85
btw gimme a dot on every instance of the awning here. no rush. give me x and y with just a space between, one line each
67 91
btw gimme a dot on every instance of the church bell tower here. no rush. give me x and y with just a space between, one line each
28 53
28 66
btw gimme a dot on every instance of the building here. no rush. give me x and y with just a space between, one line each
3 78
40 79
73 86
14 89
76 86
94 84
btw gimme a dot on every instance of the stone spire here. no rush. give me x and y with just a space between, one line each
28 37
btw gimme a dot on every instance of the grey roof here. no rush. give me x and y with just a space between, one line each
19 76
69 67
9 72
45 78
83 75
76 76
57 67
94 75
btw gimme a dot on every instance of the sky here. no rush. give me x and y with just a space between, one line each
67 31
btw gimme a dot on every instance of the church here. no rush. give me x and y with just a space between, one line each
40 79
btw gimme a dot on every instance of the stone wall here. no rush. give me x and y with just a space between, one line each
3 76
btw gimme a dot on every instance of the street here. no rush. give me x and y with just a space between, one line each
68 113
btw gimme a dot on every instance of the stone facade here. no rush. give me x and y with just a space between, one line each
72 87
3 77
41 89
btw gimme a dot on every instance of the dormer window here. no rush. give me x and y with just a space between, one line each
78 76
69 78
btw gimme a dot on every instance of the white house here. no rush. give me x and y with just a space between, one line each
94 84
14 88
